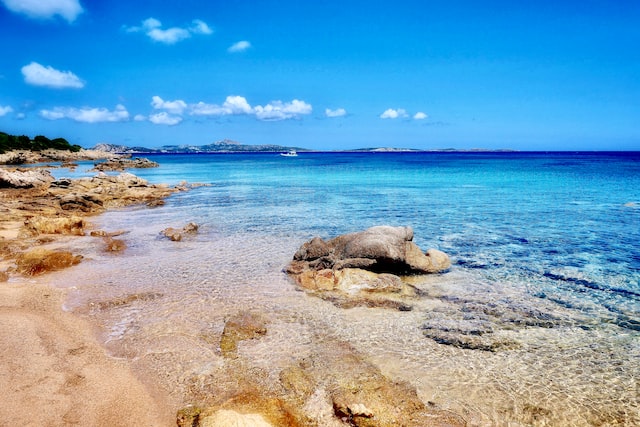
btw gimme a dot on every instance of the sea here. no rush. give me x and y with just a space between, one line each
537 322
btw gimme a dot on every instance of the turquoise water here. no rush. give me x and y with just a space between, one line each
566 221
546 267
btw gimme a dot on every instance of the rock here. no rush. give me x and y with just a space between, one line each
44 225
313 249
175 235
16 157
39 261
341 388
25 178
364 268
4 276
228 418
122 163
382 249
80 202
188 416
114 245
243 326
102 233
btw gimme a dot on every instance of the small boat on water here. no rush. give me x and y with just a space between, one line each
290 153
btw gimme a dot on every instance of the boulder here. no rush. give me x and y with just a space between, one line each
382 249
365 268
25 178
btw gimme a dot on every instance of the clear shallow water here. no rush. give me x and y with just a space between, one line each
546 267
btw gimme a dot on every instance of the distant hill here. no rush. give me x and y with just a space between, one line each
229 146
224 146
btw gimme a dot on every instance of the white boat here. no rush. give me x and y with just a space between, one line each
290 153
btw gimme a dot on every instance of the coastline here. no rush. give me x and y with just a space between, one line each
53 369
144 311
55 359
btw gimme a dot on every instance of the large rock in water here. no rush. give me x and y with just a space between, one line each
365 268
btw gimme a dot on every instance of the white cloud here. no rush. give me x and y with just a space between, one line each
164 118
38 75
87 115
278 110
239 46
232 105
238 105
393 114
139 118
153 28
46 9
204 109
200 27
174 107
169 36
5 110
340 112
420 116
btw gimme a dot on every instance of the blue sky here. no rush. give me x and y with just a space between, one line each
543 75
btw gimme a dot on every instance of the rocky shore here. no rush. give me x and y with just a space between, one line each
20 157
53 360
52 369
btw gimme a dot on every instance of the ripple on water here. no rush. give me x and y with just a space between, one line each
552 361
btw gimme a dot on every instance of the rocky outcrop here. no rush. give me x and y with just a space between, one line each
365 268
34 208
122 163
98 193
333 388
18 157
25 178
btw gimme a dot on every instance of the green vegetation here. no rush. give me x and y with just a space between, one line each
39 143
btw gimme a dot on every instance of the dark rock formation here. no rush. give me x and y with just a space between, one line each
364 268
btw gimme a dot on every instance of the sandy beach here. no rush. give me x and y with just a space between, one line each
54 372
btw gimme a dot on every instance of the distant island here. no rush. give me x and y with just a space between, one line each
224 146
41 143
229 146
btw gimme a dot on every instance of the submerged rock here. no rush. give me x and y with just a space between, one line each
228 418
243 326
39 261
176 235
364 268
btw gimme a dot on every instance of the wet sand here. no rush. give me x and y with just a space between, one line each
53 371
